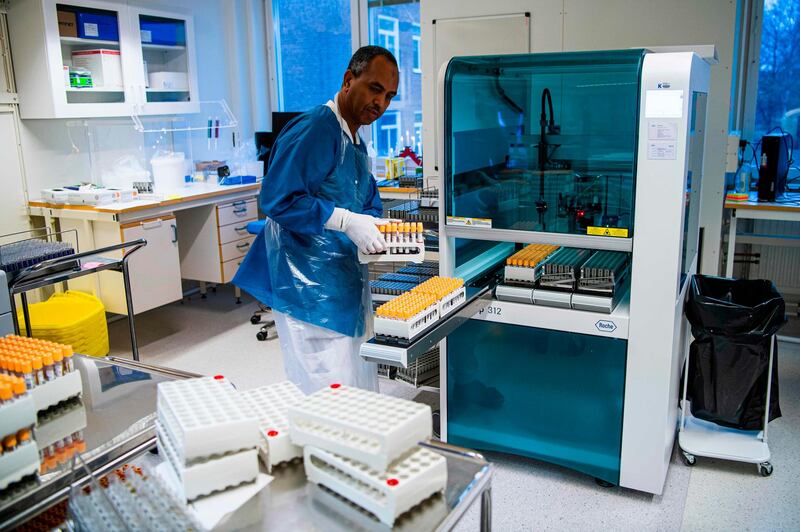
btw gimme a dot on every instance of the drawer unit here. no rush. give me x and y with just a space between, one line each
234 231
236 249
230 268
236 212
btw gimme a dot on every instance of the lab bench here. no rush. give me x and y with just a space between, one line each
119 405
199 234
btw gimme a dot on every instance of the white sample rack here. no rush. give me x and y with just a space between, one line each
271 405
21 462
205 417
364 426
60 389
17 414
409 328
408 481
396 252
209 476
521 274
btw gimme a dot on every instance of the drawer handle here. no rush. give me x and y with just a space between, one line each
240 228
238 203
174 233
240 212
243 246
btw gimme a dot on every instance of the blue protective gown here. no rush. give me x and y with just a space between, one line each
295 265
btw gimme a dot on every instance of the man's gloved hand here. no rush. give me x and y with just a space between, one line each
360 228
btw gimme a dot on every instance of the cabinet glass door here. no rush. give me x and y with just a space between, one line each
165 59
91 55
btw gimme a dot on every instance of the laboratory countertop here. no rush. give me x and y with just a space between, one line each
790 203
192 192
119 405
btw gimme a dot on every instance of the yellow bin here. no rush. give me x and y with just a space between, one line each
73 318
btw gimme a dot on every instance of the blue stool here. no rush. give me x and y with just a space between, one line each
254 228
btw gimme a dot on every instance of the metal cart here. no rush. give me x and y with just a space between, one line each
62 269
697 437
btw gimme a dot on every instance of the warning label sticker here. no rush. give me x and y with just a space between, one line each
469 222
607 231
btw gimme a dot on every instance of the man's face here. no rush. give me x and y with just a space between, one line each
367 96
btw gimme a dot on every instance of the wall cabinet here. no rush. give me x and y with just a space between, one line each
146 64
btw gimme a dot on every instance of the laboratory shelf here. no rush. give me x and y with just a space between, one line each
90 42
704 438
402 353
149 46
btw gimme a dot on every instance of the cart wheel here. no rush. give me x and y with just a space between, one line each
688 458
603 483
255 318
261 336
765 469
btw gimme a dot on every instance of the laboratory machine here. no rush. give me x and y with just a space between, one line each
570 207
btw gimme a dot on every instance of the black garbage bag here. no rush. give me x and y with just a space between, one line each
733 322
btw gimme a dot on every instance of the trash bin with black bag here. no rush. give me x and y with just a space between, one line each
731 372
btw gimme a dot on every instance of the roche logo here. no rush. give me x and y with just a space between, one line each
606 326
664 85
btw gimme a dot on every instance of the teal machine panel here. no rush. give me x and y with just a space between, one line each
550 395
542 143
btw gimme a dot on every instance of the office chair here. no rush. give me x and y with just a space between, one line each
267 330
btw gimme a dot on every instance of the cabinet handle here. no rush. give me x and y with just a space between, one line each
243 246
240 228
238 203
174 233
240 212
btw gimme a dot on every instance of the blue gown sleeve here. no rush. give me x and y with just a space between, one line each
304 154
373 204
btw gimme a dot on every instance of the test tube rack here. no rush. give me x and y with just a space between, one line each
603 272
365 426
17 414
409 328
203 477
525 266
60 389
408 481
205 417
271 405
561 269
396 252
19 463
413 326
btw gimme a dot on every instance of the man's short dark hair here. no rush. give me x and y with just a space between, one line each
364 55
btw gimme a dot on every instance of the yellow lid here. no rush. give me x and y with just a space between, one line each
57 356
36 363
47 359
10 441
19 387
67 351
26 366
24 435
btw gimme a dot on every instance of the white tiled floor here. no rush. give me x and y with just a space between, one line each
215 336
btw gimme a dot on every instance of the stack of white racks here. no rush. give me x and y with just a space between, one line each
364 447
208 433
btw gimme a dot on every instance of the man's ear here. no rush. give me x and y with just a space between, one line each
348 79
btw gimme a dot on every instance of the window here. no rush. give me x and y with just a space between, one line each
395 25
778 100
417 51
389 34
417 140
310 56
387 132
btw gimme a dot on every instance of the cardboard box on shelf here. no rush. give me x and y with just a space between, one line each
104 64
67 26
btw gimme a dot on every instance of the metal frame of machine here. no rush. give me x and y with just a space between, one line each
650 316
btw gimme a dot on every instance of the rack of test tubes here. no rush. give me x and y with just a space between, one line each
603 272
525 266
19 456
271 404
405 243
561 269
411 313
47 368
16 256
364 447
59 434
129 498
208 433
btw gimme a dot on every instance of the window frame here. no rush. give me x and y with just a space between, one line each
394 33
416 48
397 126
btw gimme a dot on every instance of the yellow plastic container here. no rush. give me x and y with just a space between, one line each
72 318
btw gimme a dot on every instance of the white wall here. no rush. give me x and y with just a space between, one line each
572 25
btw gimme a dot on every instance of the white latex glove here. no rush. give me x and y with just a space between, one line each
360 228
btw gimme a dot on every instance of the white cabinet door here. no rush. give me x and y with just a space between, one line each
165 70
155 269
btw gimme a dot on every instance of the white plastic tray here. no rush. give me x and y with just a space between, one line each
521 274
18 464
205 417
409 481
53 392
16 415
408 328
60 427
271 405
365 426
451 301
415 255
210 476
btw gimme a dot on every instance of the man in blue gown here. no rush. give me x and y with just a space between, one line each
322 205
